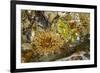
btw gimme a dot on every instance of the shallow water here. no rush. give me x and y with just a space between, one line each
54 36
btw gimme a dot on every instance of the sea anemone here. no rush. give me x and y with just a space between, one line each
47 42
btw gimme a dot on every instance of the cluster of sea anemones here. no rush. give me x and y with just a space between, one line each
47 42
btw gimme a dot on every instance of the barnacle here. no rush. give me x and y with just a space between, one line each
47 42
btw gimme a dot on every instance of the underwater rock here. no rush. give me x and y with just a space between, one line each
80 51
26 24
26 56
40 20
23 38
50 16
31 15
75 56
26 36
62 14
87 55
85 23
26 46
